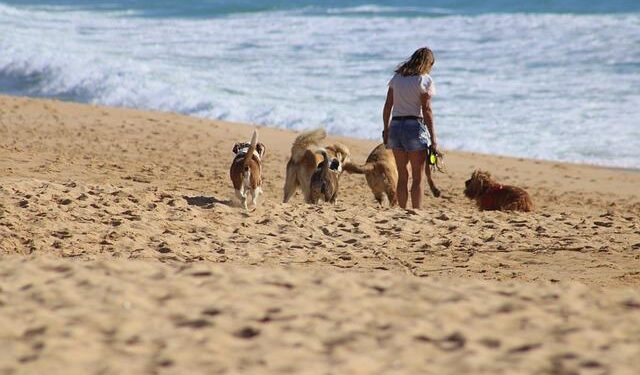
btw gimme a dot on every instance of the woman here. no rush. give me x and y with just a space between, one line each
409 97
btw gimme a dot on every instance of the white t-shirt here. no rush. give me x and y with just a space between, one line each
407 91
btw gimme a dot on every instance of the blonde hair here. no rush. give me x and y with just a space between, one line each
418 64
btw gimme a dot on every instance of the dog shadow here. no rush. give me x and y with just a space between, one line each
206 202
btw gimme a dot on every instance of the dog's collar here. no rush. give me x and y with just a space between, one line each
244 150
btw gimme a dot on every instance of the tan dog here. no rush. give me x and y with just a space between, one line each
381 173
304 160
324 181
490 195
246 170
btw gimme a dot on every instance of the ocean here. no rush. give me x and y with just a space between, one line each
555 80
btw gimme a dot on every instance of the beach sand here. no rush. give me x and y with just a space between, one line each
123 253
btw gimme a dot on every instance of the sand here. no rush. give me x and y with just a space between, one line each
122 252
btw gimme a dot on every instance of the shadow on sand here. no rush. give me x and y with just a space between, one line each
206 202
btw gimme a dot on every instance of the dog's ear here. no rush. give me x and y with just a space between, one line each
261 149
236 147
481 182
484 180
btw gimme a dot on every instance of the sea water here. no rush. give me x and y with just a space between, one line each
556 80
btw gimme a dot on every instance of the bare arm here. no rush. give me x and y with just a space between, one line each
386 114
425 101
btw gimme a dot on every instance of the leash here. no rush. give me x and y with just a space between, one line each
435 160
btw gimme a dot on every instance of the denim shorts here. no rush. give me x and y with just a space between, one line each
408 135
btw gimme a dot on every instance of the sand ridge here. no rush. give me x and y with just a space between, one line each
97 201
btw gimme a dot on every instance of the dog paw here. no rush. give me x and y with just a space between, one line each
436 192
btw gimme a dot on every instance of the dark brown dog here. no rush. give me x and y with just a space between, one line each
381 173
246 170
324 181
490 195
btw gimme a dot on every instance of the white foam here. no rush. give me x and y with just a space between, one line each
388 10
562 87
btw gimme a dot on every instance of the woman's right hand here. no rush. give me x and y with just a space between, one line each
385 136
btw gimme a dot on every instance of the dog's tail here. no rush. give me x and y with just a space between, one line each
251 150
246 171
304 141
324 165
358 169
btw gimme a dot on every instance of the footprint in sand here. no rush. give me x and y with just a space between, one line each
196 323
606 224
452 342
247 333
129 215
64 201
61 234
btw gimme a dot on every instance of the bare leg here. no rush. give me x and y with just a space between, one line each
402 159
417 160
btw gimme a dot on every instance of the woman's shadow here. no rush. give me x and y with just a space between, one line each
206 202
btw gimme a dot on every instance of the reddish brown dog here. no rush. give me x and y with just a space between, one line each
490 195
246 170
